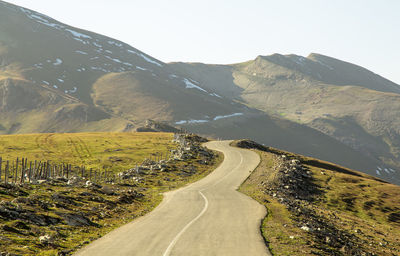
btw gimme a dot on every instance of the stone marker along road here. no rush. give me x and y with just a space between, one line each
208 217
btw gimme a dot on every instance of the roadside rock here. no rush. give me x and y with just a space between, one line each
79 220
75 180
46 239
129 197
9 211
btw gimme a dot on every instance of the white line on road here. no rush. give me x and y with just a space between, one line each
171 245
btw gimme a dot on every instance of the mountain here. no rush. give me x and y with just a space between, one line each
58 78
89 79
342 100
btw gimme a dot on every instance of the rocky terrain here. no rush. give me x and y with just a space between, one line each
349 223
61 214
58 78
342 100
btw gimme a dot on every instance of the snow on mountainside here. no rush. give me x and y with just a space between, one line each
57 78
73 62
70 60
344 101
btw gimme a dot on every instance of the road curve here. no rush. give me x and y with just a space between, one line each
208 217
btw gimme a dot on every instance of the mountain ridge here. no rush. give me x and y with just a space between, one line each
57 78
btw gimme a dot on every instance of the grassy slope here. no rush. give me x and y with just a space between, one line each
103 209
343 105
94 150
355 203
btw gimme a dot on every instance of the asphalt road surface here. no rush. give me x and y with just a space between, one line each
208 217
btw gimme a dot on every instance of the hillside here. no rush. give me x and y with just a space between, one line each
340 99
80 186
57 78
50 72
319 208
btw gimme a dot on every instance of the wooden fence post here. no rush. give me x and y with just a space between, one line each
6 172
22 171
30 171
1 161
47 170
16 171
35 170
39 174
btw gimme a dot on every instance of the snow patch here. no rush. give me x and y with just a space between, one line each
60 80
25 10
58 62
379 168
71 91
108 51
77 34
378 172
215 95
173 76
55 86
128 64
115 43
150 60
115 60
191 121
45 82
146 58
190 85
100 69
80 40
300 60
53 25
227 116
140 68
387 171
181 122
81 52
39 18
98 45
392 170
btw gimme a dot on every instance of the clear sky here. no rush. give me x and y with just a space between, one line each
364 32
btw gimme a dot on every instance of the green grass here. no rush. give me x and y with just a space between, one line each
108 214
111 151
278 228
362 205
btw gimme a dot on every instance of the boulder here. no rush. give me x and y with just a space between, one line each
76 220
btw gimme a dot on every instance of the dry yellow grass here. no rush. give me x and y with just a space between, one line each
111 151
363 206
105 210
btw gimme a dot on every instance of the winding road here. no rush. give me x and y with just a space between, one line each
208 217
